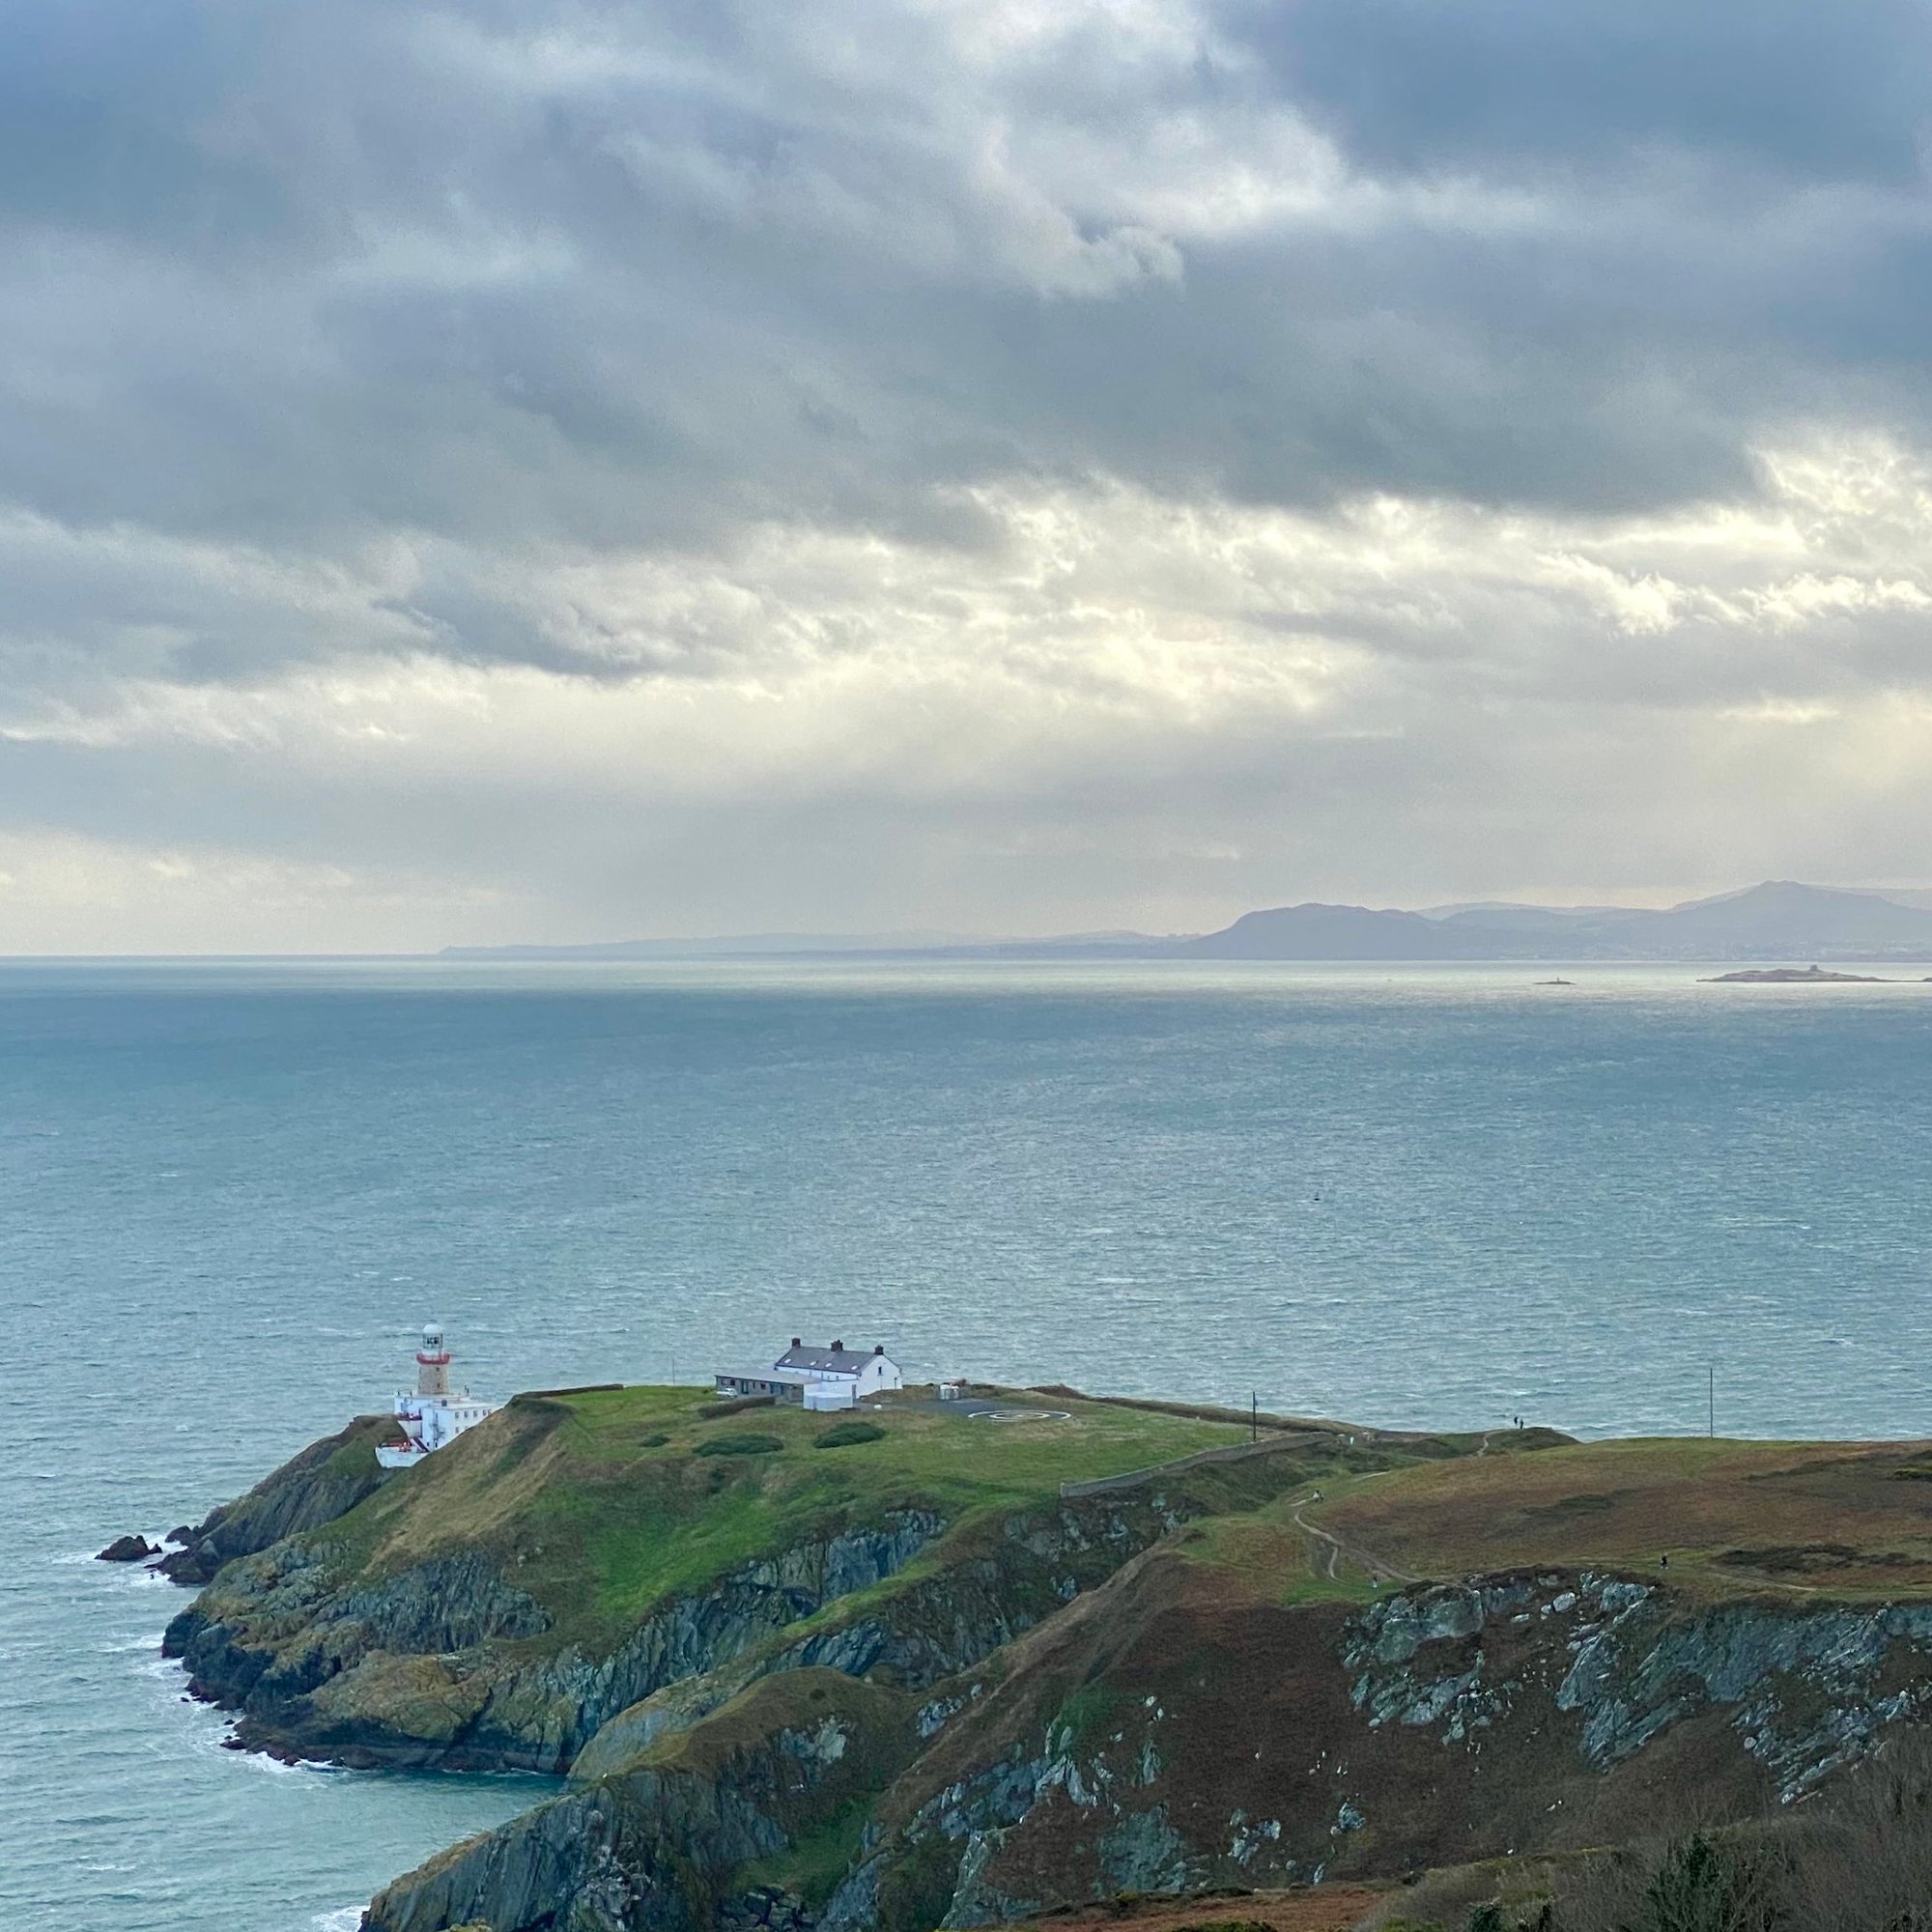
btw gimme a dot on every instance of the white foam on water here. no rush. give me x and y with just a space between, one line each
344 1918
208 1738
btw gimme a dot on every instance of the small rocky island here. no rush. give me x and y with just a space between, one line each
1793 975
957 1659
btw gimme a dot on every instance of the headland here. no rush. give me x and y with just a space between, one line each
958 1662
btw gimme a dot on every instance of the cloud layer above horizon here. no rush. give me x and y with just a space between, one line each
475 471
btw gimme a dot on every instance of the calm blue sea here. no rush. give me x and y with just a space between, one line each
228 1193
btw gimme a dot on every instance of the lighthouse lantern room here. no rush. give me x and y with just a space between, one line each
429 1415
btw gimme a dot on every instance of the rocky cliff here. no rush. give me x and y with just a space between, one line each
1174 1731
1176 1736
441 1661
956 1675
676 1842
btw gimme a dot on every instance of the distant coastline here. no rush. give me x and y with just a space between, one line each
1776 925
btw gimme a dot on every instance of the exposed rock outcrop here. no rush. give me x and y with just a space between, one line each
128 1549
666 1846
1162 1737
997 1580
951 1685
448 1661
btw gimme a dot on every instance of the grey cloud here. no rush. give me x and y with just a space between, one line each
634 276
1832 93
497 337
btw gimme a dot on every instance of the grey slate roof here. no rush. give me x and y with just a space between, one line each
839 1360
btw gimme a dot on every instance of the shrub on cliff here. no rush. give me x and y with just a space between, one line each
1704 1887
843 1434
1491 1918
739 1445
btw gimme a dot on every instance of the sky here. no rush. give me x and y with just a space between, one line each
478 473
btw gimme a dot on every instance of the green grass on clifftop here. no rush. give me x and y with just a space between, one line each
604 1503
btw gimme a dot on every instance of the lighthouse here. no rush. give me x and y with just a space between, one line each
431 1363
429 1415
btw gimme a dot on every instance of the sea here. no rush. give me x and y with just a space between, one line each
232 1193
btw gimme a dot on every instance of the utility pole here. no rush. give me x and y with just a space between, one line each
1711 1397
1254 1415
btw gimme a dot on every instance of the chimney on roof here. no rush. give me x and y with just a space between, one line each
838 1348
878 1348
796 1342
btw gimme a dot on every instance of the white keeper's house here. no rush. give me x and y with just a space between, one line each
817 1377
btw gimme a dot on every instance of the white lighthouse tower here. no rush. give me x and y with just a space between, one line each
429 1415
431 1363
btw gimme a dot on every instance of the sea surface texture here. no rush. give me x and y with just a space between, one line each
1449 1196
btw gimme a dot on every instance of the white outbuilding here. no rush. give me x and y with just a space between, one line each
818 1376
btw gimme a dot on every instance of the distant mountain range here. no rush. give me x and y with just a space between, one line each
1775 920
1778 920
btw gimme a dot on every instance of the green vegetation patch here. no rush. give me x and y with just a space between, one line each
605 1503
811 1867
843 1434
739 1445
1088 1709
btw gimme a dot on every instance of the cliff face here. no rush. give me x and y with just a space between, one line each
673 1844
1172 1735
687 1789
987 1584
427 1667
1175 1730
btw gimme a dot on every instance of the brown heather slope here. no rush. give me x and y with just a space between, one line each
1291 1694
1319 1908
1853 1520
1185 1726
